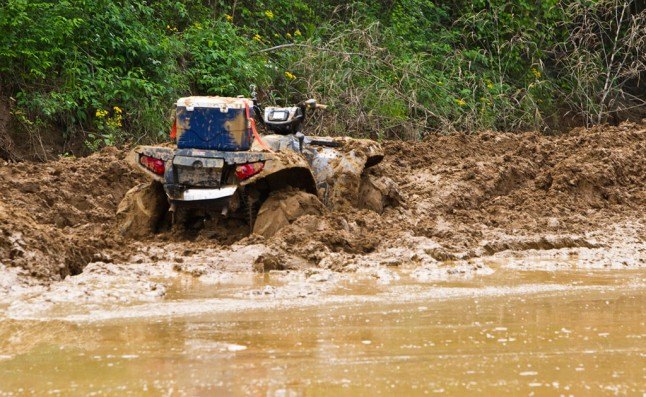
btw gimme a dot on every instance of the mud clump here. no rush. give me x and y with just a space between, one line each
268 262
448 198
282 208
141 210
55 217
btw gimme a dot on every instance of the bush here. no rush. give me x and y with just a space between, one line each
107 71
70 65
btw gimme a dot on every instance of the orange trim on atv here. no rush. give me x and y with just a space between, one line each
254 130
173 130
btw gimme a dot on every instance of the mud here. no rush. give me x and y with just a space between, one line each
56 217
284 207
450 200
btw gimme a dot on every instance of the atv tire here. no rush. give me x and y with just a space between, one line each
282 208
141 210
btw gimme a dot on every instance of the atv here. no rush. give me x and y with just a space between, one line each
220 163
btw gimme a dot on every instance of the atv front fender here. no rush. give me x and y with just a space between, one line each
337 165
371 150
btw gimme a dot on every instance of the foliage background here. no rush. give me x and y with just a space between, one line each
105 72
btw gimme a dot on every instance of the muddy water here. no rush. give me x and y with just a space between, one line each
507 333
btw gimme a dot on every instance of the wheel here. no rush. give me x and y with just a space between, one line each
282 208
141 210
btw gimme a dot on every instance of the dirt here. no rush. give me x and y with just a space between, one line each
57 217
451 199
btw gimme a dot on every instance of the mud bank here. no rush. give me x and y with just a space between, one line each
56 217
460 198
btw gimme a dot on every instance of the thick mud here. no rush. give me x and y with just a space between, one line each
57 217
452 198
495 263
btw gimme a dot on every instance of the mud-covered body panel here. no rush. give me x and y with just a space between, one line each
330 168
284 168
228 157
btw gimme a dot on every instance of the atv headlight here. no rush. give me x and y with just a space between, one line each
279 115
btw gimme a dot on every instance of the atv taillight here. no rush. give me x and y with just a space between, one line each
155 165
245 171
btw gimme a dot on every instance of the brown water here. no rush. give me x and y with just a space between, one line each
511 333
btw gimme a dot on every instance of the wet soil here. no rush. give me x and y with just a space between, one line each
458 197
57 217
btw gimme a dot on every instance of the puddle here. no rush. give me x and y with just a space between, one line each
574 332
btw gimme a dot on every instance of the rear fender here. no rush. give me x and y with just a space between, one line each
159 152
283 169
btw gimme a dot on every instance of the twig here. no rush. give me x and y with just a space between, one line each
288 45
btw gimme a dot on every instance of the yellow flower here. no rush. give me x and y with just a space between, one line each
257 37
460 102
297 33
269 14
117 110
101 113
536 73
290 76
228 17
288 35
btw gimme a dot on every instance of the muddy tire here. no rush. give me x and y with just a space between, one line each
284 207
378 193
141 210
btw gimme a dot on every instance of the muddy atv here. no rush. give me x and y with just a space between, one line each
219 164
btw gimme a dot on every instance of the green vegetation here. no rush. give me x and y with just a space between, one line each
107 71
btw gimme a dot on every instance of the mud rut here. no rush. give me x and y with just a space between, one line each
454 198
